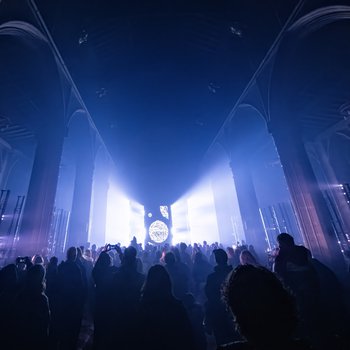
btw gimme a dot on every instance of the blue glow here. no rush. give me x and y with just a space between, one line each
213 200
137 223
125 218
118 217
180 228
194 216
201 213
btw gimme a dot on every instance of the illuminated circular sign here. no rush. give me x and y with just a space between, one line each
158 231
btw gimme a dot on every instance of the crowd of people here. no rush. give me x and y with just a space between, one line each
173 297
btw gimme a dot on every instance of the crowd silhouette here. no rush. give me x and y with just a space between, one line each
198 297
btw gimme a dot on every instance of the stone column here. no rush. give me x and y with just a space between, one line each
311 210
80 213
37 213
248 205
338 197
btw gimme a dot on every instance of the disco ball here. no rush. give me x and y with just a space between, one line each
158 231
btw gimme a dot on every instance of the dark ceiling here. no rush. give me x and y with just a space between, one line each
160 77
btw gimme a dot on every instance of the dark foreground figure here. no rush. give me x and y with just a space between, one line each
264 310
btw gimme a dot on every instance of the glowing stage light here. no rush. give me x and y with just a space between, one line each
124 218
194 216
201 214
137 224
180 228
209 211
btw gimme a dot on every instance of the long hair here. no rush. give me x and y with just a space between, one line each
157 285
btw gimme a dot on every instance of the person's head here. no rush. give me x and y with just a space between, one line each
230 251
104 260
157 284
21 263
260 303
285 240
93 247
247 258
79 253
198 257
37 260
129 255
183 247
251 248
53 261
72 254
35 279
87 253
176 252
220 256
169 258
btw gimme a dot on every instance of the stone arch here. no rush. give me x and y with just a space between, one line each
300 99
285 59
31 98
27 50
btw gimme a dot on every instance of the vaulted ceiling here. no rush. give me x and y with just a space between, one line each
160 77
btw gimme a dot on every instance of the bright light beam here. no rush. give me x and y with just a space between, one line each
118 217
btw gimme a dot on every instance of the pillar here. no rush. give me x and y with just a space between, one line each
340 202
310 207
248 205
80 214
39 203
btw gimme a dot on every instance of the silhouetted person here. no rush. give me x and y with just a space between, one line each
23 264
164 323
196 316
200 271
334 313
292 265
52 292
71 300
8 294
232 259
85 267
264 311
31 312
218 319
126 289
102 273
94 252
178 274
37 259
247 258
185 257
